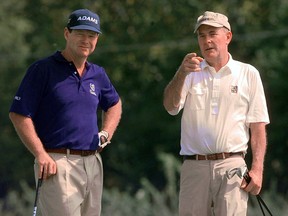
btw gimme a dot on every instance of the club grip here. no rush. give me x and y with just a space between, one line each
247 177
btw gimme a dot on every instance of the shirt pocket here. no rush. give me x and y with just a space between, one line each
197 98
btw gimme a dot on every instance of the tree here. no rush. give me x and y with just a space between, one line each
14 51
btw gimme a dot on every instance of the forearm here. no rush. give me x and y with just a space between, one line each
172 93
26 132
111 119
258 147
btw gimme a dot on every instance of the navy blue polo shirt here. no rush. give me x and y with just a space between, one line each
62 105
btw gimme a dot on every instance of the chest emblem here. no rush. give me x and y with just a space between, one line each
92 89
234 89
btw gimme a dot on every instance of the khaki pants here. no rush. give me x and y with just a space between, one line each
205 189
75 190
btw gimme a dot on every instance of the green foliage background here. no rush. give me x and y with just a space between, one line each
142 44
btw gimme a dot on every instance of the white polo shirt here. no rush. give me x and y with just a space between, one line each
218 108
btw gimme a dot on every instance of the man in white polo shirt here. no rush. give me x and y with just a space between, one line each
222 99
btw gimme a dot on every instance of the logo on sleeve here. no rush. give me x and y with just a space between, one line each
92 89
18 98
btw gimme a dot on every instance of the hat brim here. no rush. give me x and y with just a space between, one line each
214 24
86 27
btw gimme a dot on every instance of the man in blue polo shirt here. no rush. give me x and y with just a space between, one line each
55 114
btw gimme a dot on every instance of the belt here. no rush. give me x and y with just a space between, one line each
217 156
82 153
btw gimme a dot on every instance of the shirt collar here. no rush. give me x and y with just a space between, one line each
59 57
228 67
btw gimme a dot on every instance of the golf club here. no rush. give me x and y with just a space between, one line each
259 198
39 183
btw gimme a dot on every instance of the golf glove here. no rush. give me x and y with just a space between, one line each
103 138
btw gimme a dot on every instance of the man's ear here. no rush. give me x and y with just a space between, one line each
229 36
66 32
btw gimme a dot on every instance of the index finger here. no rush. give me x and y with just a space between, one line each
191 55
41 172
